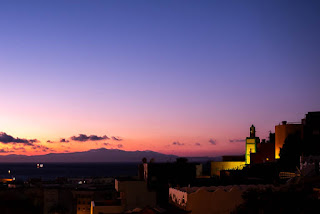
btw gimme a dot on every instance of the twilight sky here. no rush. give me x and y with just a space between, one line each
178 77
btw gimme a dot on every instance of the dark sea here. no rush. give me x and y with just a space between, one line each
51 171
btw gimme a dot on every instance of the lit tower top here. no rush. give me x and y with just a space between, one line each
252 131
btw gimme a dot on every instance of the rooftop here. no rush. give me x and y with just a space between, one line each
108 203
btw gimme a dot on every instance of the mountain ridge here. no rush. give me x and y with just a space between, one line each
97 155
93 155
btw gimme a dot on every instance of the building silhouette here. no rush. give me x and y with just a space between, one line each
282 131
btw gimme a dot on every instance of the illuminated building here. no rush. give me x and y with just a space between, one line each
308 131
237 162
282 132
5 180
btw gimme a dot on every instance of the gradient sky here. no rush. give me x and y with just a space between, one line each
178 77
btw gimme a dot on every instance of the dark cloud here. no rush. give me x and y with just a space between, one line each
63 140
116 138
49 141
213 142
5 151
5 139
83 138
120 146
237 140
177 143
42 148
95 137
197 144
107 144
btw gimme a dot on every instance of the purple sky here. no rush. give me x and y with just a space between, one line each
157 72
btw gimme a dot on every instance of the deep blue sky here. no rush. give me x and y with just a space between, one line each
156 72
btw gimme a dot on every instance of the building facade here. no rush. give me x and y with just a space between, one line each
210 200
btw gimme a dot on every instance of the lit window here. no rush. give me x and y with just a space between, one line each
267 159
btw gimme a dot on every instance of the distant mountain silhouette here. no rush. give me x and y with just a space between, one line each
94 155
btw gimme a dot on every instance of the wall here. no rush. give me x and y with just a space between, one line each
105 209
251 147
216 166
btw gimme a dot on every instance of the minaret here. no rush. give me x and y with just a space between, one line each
251 143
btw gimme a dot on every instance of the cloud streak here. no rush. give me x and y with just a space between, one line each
116 138
177 143
237 140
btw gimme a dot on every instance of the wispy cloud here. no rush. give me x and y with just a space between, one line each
212 141
120 146
197 144
237 140
116 138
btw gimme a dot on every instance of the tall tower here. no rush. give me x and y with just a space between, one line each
251 143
